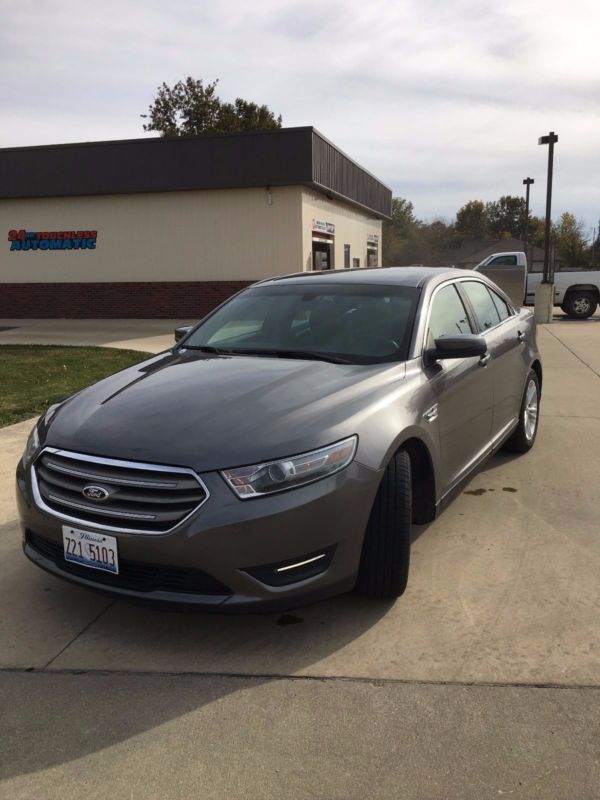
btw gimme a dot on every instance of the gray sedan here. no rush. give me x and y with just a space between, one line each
280 451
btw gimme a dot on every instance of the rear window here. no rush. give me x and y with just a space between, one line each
502 306
483 305
503 261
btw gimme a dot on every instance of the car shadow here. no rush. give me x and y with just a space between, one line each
499 459
57 715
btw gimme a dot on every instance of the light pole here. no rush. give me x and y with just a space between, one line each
527 182
544 297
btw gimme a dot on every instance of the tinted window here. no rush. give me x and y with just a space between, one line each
363 324
482 303
448 315
502 306
503 261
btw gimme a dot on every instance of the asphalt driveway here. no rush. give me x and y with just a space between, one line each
481 681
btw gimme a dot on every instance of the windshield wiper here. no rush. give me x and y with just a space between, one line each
273 353
206 348
312 355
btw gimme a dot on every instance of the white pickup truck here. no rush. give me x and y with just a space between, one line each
577 293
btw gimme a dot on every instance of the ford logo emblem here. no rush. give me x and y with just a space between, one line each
94 493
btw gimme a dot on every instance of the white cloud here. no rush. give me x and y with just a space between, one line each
443 101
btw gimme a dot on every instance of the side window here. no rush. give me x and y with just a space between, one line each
503 261
483 305
448 315
502 306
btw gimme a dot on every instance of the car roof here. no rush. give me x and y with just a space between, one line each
400 276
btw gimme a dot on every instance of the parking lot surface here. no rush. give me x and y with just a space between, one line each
480 681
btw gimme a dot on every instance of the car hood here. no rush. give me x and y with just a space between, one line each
210 412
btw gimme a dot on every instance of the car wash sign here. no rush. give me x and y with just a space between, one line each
21 240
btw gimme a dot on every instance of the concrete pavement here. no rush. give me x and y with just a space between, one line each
159 737
503 590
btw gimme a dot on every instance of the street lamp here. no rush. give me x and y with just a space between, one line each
550 140
527 182
544 296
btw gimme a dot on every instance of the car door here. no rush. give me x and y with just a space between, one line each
462 389
499 325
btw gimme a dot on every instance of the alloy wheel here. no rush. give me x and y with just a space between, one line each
530 412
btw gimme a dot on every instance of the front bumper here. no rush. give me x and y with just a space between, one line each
229 539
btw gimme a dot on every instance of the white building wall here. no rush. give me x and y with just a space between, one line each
352 226
231 234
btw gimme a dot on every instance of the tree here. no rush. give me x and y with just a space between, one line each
472 220
537 230
506 216
397 231
403 218
189 108
570 241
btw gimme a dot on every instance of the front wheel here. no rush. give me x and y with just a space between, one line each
579 305
383 570
524 435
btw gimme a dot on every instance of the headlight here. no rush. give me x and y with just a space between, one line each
286 473
32 447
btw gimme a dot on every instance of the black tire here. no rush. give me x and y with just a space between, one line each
580 305
385 559
522 440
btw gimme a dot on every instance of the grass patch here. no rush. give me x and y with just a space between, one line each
32 377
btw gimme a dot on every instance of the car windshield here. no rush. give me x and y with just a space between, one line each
346 324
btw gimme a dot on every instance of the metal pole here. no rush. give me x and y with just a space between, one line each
527 182
550 141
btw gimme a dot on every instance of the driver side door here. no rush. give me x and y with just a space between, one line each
462 389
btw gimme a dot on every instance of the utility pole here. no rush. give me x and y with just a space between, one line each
527 182
544 296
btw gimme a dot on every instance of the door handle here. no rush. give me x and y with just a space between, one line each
484 360
521 336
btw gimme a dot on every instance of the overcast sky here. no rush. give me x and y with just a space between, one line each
444 100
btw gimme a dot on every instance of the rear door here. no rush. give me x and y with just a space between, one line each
499 324
462 389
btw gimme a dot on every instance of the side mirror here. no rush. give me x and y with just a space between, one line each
181 332
467 345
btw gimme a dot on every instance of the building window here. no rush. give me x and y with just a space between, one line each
356 263
346 256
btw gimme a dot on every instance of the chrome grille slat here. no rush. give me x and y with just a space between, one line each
96 477
135 496
102 511
127 494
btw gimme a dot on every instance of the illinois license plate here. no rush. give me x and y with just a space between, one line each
95 550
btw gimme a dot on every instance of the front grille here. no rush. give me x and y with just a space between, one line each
140 497
134 575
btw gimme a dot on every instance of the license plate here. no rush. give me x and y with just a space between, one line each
95 550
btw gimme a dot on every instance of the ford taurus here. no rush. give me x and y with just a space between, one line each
280 451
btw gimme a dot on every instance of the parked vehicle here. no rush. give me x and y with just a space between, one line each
577 293
280 451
